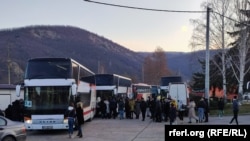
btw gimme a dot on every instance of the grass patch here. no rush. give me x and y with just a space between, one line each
244 109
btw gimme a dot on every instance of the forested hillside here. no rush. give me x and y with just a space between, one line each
97 53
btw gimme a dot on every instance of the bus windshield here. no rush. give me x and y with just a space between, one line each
39 69
103 80
46 98
169 79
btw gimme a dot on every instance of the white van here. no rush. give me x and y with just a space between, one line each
179 91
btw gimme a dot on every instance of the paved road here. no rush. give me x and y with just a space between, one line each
125 130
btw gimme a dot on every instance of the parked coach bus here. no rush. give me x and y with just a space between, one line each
155 91
50 85
109 85
140 90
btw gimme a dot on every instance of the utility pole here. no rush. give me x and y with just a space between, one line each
98 66
142 68
8 61
207 58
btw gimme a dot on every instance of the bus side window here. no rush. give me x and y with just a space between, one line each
75 71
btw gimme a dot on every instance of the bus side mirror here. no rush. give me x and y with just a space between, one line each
18 90
73 88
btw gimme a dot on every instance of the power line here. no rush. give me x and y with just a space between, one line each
139 8
231 19
161 10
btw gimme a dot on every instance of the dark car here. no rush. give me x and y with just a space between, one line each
12 130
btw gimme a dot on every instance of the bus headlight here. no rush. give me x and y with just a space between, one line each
65 121
28 121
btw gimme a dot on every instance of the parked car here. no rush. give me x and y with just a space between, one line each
12 130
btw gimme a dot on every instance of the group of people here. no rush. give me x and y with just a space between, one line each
202 110
167 109
75 117
163 109
14 111
235 109
107 107
114 107
156 108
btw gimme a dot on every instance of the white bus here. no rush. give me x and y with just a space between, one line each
140 90
50 85
112 85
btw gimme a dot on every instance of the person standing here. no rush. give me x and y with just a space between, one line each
71 119
201 109
180 111
152 108
127 108
121 107
148 107
98 107
191 111
113 107
80 118
235 110
137 108
167 109
132 107
103 108
143 107
163 109
158 110
206 111
221 105
106 101
172 113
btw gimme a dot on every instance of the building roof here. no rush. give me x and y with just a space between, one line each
7 86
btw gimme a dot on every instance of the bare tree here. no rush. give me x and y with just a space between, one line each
238 55
219 40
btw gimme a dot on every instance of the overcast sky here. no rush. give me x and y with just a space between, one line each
135 29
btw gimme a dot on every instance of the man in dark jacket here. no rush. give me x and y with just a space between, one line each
172 113
79 118
121 107
206 111
113 106
235 110
221 106
143 107
158 110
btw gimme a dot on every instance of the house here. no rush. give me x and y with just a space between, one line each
8 95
